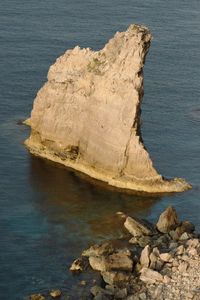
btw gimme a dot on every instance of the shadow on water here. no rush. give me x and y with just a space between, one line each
68 196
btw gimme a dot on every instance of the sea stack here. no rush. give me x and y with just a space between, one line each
87 115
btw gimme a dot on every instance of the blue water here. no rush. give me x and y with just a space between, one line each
49 214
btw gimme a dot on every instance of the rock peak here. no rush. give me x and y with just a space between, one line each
87 115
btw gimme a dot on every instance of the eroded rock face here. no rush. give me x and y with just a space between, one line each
87 115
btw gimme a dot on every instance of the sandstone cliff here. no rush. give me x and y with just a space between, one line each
87 115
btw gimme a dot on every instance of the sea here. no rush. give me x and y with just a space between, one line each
49 214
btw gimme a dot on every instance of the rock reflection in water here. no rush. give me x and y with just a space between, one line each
85 208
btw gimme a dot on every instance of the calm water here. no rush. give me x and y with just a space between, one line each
49 214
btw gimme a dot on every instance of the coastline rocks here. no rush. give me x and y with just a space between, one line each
169 270
129 271
87 115
168 220
150 272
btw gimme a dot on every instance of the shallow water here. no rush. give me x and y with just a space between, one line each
49 214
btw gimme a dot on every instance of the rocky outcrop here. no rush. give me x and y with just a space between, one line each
166 268
87 115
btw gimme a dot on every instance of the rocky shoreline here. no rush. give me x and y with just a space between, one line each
158 261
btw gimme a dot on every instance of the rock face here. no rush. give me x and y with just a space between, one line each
87 115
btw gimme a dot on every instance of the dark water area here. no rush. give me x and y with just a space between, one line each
49 214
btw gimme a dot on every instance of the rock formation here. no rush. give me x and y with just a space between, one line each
166 268
87 115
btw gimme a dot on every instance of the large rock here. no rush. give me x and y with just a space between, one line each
185 226
168 220
87 115
120 261
98 263
136 227
79 265
116 278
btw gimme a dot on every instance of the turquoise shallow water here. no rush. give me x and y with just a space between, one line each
49 214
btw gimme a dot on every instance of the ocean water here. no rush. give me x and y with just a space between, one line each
48 214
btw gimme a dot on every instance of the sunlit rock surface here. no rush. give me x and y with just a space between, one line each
87 115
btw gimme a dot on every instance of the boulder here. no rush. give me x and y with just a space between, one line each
185 226
79 265
150 276
166 257
136 227
168 220
98 263
144 257
116 278
119 261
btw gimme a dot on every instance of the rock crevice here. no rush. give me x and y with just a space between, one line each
87 115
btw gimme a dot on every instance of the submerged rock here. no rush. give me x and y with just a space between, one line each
55 293
87 115
37 297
